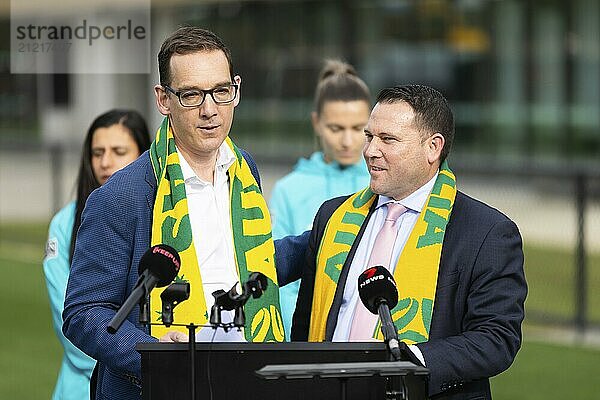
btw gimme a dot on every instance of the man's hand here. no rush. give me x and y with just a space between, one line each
174 337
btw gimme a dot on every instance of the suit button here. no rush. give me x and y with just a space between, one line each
444 386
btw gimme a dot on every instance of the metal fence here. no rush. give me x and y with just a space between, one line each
557 208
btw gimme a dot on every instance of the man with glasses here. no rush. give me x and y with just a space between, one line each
195 191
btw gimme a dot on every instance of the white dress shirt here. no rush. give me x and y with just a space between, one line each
210 219
414 204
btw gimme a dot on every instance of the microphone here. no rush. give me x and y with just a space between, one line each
231 300
158 267
378 292
171 296
254 286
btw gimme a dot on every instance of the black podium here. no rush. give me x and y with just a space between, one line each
291 371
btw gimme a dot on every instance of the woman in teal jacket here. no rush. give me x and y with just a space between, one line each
341 111
114 139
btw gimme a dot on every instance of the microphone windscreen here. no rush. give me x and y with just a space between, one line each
376 284
162 261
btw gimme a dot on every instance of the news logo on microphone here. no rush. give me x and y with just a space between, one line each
376 284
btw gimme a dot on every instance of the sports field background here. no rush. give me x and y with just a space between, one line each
547 367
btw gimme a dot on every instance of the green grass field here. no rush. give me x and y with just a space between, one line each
30 353
550 274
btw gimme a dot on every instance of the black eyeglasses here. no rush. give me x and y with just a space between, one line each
195 97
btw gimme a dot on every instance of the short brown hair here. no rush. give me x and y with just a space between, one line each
186 40
432 111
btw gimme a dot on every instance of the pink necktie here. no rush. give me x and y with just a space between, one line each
363 322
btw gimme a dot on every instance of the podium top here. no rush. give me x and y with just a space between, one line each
367 347
341 370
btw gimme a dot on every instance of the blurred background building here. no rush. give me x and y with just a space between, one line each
523 77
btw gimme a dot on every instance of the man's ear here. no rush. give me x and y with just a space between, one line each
163 103
435 144
237 80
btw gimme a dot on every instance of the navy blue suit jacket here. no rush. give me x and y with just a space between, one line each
114 234
475 330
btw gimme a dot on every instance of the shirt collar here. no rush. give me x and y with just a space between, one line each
414 201
225 158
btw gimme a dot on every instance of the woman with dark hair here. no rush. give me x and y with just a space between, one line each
99 161
341 110
113 140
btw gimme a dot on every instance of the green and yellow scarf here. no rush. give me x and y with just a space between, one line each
251 230
415 273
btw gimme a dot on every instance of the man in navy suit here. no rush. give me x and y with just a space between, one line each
198 94
471 325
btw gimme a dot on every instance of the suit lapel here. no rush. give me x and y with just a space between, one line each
339 291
